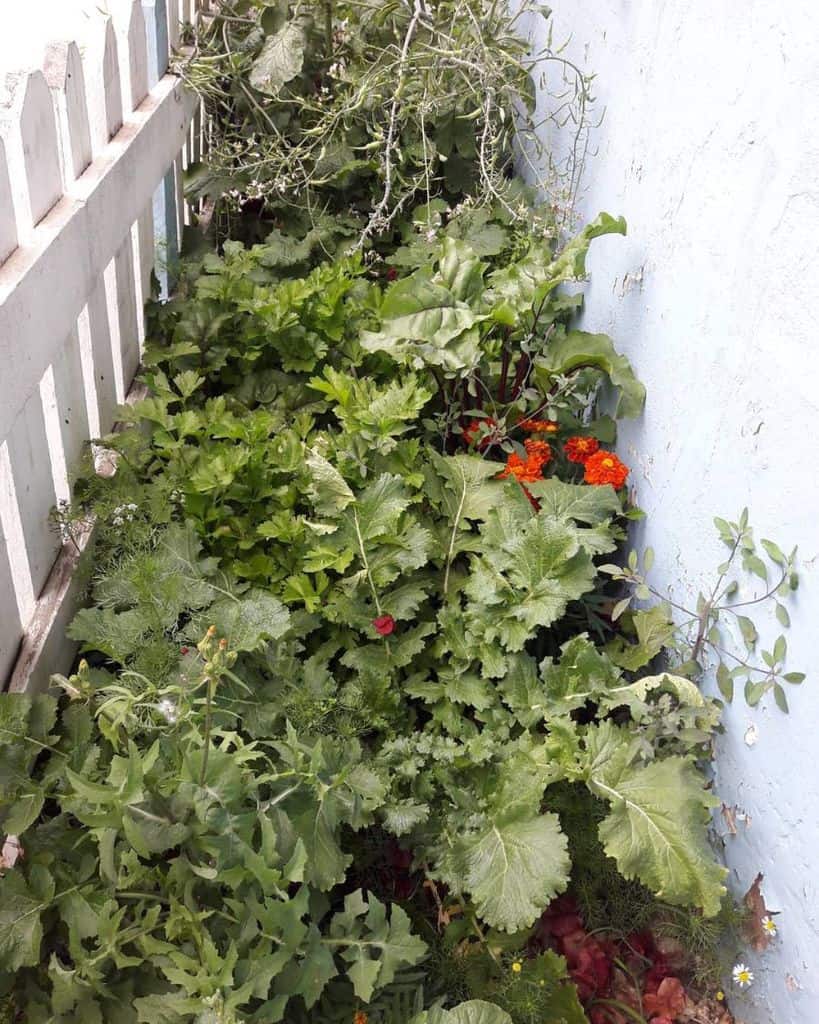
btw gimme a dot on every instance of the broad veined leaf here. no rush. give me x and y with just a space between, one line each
328 490
577 349
656 829
21 905
511 867
583 673
280 60
518 287
423 319
584 504
246 622
533 575
476 1011
634 695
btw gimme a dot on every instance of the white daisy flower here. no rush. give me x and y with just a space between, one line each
742 975
769 926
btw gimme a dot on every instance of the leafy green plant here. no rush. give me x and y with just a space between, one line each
374 105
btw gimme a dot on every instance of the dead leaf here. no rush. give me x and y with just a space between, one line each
729 816
11 852
669 1000
791 984
752 927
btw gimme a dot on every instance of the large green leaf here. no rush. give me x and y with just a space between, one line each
21 930
526 575
654 628
280 60
422 318
476 1011
512 868
577 349
584 504
516 288
656 829
328 490
246 622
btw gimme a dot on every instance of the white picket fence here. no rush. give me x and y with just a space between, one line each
92 149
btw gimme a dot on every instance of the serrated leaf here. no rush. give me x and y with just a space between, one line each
584 504
21 931
512 869
656 829
246 622
328 490
280 60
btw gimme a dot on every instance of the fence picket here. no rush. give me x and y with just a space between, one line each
32 149
11 627
82 145
8 220
63 72
33 484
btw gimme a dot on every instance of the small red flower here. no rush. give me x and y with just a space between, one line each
580 449
392 273
473 428
184 650
384 625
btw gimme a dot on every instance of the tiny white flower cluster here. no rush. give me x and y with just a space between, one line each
168 710
123 514
177 496
337 70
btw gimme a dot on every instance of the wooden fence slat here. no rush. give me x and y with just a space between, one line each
8 219
11 627
155 13
74 244
33 480
127 312
70 393
63 72
95 338
129 23
32 149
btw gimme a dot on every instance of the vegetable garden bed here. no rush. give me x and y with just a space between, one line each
377 720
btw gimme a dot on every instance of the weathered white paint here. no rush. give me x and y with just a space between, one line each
84 145
710 148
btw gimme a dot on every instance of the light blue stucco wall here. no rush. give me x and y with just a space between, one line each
710 149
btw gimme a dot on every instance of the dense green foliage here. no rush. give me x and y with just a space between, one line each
361 691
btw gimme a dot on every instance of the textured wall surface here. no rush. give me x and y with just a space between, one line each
710 149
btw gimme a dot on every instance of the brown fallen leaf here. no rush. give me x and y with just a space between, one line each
752 927
729 816
10 853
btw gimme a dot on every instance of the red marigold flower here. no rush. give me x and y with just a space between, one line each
473 428
384 625
525 471
579 449
605 468
537 450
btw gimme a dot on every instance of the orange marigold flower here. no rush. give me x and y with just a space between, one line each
538 426
578 449
525 471
473 428
360 1017
605 468
537 450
